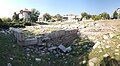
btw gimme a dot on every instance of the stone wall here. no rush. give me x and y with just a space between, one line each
55 37
63 37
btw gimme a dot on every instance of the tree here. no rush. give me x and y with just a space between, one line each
58 17
46 17
115 15
88 16
96 17
85 15
104 15
34 15
15 16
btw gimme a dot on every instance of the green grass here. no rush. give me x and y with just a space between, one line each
78 54
7 51
74 58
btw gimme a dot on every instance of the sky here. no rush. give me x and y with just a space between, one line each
8 7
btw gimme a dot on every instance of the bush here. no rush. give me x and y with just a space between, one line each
52 20
1 21
6 19
6 25
115 15
16 24
85 15
27 24
104 15
96 17
3 25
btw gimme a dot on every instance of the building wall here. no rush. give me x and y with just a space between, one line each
72 17
26 15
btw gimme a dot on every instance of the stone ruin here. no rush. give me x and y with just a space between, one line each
58 42
55 37
54 40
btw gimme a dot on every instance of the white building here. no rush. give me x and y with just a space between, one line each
71 17
40 19
25 15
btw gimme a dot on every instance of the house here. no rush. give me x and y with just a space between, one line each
24 15
67 17
71 17
40 19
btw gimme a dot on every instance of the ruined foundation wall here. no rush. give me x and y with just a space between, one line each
55 37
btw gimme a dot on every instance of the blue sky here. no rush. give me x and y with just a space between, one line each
59 6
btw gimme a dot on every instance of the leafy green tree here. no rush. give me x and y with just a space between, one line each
85 15
115 15
88 17
104 15
58 17
15 16
46 17
34 15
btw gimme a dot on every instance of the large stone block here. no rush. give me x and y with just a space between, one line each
20 37
51 35
73 31
39 40
106 36
62 48
31 41
21 43
59 33
18 34
15 34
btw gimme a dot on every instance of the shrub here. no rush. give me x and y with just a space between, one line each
6 25
115 15
16 24
96 17
27 24
85 15
1 22
6 19
104 15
